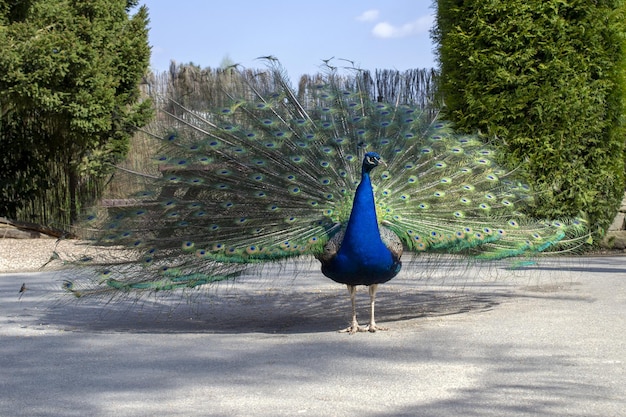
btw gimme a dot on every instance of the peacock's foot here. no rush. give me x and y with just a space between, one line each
373 327
355 328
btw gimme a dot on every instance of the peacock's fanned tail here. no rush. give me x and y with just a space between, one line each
270 174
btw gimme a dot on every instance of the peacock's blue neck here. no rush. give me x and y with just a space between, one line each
362 234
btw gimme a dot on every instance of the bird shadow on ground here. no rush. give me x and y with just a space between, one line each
285 312
289 310
308 303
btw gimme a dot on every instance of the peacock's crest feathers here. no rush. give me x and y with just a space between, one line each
270 174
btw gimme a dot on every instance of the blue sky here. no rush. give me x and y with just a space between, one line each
374 34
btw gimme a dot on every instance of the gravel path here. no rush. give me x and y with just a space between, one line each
28 255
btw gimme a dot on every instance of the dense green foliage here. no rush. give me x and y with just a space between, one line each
69 100
544 79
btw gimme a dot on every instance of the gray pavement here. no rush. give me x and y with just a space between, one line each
542 340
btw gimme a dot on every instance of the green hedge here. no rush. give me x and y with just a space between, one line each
69 101
543 79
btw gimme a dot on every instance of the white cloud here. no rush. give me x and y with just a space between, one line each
387 30
368 15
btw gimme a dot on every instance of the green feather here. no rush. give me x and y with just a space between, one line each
270 174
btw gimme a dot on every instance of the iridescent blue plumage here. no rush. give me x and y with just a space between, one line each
363 258
267 174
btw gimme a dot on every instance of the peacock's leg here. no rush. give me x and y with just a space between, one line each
354 327
372 327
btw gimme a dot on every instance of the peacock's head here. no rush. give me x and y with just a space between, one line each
371 161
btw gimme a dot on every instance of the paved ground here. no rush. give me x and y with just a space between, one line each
544 340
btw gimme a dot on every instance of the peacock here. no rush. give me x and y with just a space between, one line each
264 174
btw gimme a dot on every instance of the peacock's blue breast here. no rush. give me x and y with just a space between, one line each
364 265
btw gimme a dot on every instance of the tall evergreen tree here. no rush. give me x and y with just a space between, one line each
69 99
545 78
